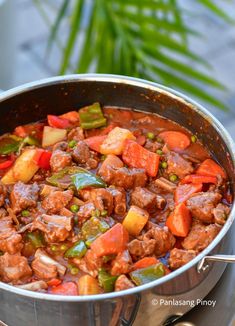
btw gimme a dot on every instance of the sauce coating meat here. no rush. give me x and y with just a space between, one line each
104 199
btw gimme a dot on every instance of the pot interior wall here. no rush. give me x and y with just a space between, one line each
58 98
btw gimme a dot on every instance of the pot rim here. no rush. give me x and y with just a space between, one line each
119 79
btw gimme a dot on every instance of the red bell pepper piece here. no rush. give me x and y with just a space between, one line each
175 140
145 262
137 156
58 122
211 168
42 159
179 222
111 242
5 164
67 288
196 178
95 142
184 192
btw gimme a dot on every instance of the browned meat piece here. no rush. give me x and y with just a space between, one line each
23 196
123 283
221 213
43 270
3 212
85 212
14 268
59 160
3 193
76 134
90 263
201 205
164 239
180 257
56 200
82 155
55 227
101 198
165 184
139 248
200 236
63 145
146 199
119 199
113 172
122 263
152 146
176 164
11 244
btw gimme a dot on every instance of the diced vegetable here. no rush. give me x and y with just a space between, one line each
30 140
63 178
148 274
36 238
135 220
85 179
72 116
196 178
88 285
92 117
107 130
175 140
184 192
95 142
115 141
141 140
179 222
211 168
58 122
9 144
78 250
137 156
67 288
23 169
111 242
52 135
44 159
54 282
145 262
34 129
106 280
93 228
5 163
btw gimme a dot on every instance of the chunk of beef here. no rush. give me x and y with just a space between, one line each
101 198
221 213
10 240
201 205
113 172
3 194
200 236
82 155
56 227
152 146
180 257
56 200
176 164
14 268
62 145
3 212
165 184
76 134
146 199
59 160
122 263
123 283
90 263
85 212
139 248
23 196
119 200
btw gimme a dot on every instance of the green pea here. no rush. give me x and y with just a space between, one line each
104 213
72 143
63 247
159 151
159 140
150 135
74 270
173 178
193 139
54 248
103 157
25 213
74 208
164 165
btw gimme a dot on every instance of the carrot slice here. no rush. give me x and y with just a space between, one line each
145 262
137 156
179 222
111 242
211 168
68 288
175 140
109 128
72 116
196 178
95 142
184 192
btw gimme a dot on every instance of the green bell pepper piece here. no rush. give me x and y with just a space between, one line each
30 140
36 238
93 228
78 250
63 178
9 144
106 281
92 117
148 274
85 179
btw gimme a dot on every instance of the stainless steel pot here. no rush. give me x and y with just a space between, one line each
148 304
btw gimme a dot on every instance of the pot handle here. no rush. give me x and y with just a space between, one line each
203 265
130 321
